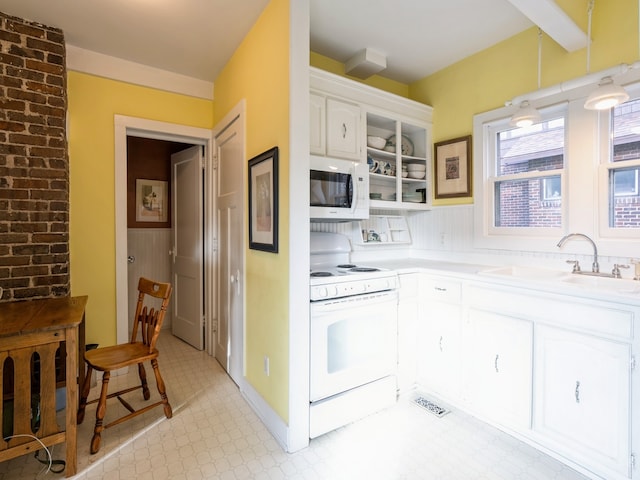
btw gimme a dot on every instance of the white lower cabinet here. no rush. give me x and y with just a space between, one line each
553 368
583 397
499 367
440 335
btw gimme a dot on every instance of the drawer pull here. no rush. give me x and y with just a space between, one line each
577 391
440 343
440 289
495 363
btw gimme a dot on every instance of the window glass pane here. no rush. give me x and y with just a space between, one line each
539 147
624 198
522 203
624 202
626 131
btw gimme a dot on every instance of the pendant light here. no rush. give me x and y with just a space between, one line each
527 115
607 95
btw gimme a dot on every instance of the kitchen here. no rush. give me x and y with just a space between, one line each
444 231
524 315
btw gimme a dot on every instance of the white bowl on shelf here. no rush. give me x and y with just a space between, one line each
376 142
416 167
404 174
417 175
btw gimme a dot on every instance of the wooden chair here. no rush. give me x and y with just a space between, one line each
148 322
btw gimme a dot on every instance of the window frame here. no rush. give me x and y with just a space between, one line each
604 171
584 184
486 172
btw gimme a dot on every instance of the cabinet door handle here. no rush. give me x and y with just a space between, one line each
440 343
577 391
344 130
495 363
440 289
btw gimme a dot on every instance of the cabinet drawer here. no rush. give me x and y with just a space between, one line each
603 319
442 289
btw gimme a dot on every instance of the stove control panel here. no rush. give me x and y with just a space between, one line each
352 287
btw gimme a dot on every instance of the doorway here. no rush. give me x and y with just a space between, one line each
149 129
149 238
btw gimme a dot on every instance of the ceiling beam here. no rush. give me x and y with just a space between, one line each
547 15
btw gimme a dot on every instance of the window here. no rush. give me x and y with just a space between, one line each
527 179
551 188
624 163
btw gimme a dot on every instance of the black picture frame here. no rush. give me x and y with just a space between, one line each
263 201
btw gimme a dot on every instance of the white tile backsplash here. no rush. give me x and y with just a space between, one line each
446 233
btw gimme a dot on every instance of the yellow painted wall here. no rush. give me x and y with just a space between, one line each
93 102
487 80
259 73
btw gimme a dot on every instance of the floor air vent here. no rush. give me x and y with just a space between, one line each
431 407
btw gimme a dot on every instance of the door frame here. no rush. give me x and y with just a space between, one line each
139 127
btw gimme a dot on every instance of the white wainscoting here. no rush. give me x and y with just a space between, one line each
150 248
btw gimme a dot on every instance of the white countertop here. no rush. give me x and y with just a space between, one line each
629 292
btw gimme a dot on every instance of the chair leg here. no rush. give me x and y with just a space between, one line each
168 412
84 393
100 412
142 373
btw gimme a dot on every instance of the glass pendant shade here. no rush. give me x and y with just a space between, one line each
606 96
525 116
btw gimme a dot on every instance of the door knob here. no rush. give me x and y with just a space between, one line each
131 259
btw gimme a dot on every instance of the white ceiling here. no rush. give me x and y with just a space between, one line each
197 37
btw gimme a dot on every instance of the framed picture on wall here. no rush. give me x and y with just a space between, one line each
263 201
151 200
453 168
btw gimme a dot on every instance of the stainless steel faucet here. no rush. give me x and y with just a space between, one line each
595 267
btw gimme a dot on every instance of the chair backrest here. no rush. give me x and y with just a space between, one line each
148 320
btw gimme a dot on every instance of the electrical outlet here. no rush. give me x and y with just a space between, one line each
265 362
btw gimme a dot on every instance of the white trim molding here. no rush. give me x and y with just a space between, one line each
94 63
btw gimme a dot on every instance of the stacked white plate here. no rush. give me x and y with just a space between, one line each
416 170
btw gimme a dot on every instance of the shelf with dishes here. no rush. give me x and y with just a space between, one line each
383 230
398 173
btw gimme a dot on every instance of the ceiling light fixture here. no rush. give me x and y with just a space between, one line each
525 116
365 63
607 95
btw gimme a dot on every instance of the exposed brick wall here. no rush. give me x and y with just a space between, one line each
34 166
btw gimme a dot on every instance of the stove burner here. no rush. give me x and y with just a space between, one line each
321 274
364 269
346 265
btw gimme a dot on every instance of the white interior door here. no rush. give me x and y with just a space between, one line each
187 248
230 254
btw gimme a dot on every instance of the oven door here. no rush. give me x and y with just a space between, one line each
353 342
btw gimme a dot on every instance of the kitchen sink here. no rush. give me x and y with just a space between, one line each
527 273
619 285
548 276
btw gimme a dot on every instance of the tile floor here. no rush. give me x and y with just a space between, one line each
214 434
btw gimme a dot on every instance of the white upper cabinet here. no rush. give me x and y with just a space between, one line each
343 113
318 123
335 128
343 130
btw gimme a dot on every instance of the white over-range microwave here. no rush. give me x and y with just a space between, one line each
339 190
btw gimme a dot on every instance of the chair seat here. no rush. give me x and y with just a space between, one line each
119 356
